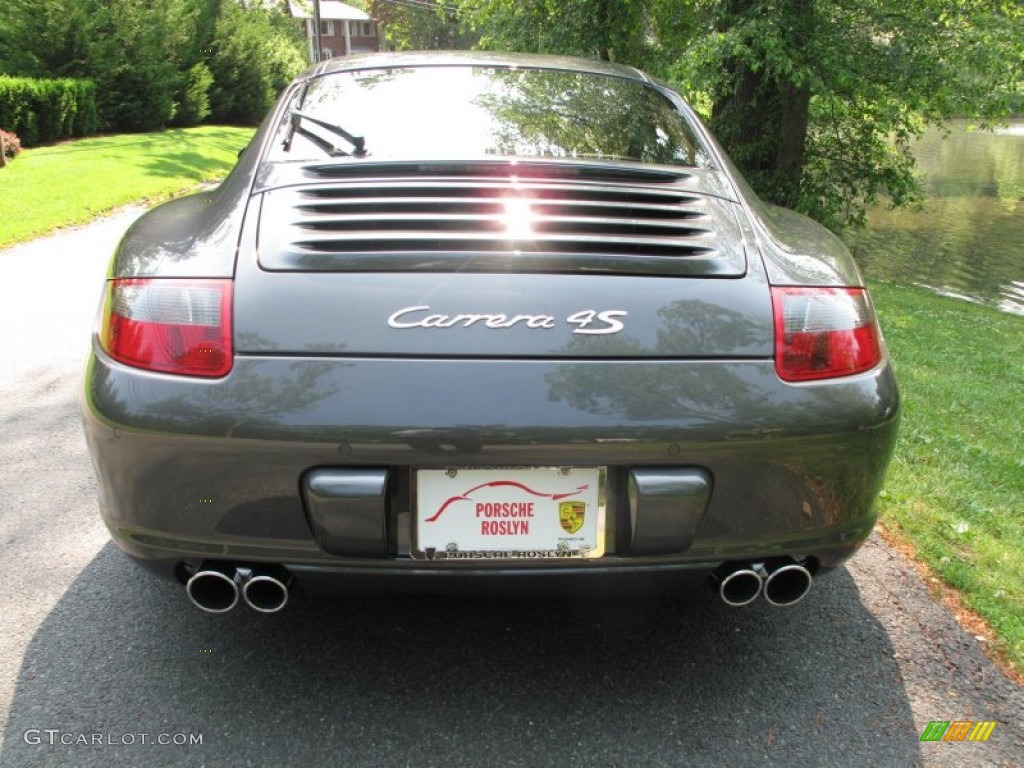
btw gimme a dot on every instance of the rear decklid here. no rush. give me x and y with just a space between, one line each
498 258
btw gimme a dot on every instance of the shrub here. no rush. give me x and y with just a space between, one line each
10 142
41 110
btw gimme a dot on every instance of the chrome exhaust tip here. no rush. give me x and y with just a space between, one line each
267 591
740 587
214 590
787 584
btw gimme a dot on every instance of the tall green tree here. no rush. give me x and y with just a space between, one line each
630 31
255 53
817 101
49 38
134 57
157 62
133 49
420 26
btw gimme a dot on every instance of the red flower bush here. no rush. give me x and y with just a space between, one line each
10 142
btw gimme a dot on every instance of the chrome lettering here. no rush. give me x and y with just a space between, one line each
393 321
587 317
541 321
436 321
468 320
588 321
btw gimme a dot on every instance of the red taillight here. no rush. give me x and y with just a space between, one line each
169 325
821 333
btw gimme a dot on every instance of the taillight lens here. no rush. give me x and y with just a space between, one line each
821 333
169 325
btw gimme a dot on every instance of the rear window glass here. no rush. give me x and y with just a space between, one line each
463 112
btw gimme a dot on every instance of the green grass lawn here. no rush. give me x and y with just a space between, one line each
70 183
955 489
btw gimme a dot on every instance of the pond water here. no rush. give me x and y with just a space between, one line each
967 240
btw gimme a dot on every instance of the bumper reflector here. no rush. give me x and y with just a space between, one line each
666 507
347 510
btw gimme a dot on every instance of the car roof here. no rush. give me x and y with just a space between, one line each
473 58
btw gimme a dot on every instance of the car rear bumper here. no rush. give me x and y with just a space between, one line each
213 470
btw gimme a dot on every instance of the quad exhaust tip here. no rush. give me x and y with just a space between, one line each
267 592
781 584
217 588
741 587
214 590
787 585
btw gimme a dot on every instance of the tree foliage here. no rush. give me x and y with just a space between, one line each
629 31
156 62
817 101
419 26
254 54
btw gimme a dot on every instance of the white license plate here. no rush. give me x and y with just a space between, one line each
535 514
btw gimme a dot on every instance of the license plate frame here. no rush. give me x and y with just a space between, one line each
509 513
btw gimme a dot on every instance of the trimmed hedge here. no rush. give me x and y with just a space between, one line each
41 110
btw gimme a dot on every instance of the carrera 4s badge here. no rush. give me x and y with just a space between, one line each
587 321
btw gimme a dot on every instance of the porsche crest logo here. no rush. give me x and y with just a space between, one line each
571 515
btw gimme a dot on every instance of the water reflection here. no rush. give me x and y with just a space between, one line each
966 240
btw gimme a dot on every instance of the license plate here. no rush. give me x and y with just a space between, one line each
545 513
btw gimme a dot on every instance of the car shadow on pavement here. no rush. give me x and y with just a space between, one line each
124 661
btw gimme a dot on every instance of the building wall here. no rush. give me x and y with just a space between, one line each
332 36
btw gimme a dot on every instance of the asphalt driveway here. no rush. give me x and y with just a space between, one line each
100 663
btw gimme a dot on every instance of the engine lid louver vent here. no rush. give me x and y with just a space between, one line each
578 171
464 221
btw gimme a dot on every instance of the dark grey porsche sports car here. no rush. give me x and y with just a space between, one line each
463 321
